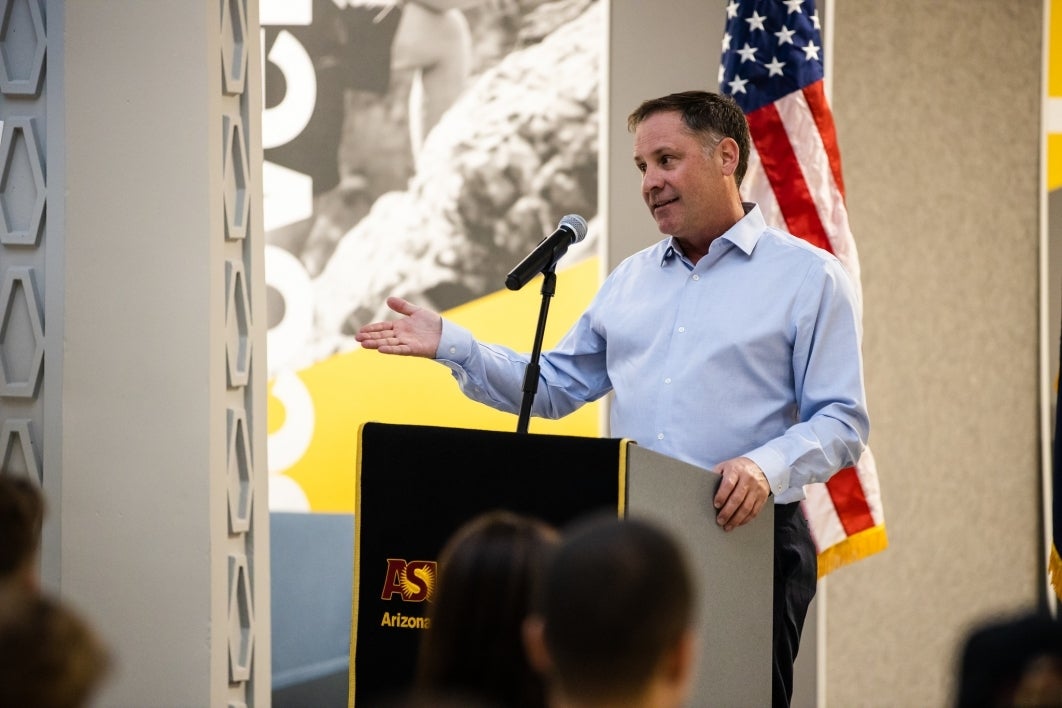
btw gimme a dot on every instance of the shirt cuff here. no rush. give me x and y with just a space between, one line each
774 468
455 343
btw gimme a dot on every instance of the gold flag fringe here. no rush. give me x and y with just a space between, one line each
868 542
1054 571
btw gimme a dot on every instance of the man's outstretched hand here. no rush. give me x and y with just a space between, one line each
416 333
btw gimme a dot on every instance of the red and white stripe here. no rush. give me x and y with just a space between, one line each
794 174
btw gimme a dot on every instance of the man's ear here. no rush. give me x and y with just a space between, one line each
679 663
729 155
534 635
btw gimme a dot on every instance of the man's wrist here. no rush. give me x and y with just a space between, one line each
773 467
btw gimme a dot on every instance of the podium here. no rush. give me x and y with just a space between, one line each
417 484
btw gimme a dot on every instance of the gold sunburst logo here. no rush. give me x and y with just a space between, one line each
421 584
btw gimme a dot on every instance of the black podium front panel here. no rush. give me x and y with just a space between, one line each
416 486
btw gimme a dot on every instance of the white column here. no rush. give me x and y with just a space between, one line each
147 421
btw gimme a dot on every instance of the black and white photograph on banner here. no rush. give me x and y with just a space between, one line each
417 148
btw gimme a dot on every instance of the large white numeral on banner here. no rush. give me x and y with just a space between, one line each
287 196
286 446
286 275
283 122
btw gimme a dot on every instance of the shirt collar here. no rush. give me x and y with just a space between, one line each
744 234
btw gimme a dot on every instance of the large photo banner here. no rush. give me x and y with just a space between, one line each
418 149
422 153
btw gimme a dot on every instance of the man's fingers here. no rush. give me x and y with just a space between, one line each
375 330
376 336
726 488
732 503
740 517
394 348
742 506
402 307
741 494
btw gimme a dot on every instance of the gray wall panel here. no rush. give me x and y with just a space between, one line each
937 108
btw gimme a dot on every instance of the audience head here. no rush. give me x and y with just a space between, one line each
49 656
613 621
1012 662
487 575
21 520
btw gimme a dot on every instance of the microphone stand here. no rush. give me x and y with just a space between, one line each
549 286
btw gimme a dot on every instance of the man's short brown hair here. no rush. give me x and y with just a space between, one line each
710 116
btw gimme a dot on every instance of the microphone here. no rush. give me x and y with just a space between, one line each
572 229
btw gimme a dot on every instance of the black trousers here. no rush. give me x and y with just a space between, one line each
796 571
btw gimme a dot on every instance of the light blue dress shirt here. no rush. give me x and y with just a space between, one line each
754 351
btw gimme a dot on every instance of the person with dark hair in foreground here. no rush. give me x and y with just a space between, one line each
21 522
1011 661
613 621
49 655
729 344
487 574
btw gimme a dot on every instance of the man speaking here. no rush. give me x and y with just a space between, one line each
729 344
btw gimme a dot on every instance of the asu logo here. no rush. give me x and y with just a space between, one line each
413 581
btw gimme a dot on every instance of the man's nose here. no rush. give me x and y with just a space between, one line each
650 180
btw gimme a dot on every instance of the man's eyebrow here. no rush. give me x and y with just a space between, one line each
669 149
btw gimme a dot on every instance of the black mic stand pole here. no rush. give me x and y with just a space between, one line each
549 286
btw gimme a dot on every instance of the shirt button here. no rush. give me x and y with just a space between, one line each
682 329
667 380
659 436
696 277
453 350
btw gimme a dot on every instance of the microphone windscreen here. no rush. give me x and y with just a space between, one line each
577 224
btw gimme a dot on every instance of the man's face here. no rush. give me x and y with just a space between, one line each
681 184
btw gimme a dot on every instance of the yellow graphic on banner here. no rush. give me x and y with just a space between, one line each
314 414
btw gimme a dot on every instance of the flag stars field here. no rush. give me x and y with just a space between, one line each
755 21
785 36
774 68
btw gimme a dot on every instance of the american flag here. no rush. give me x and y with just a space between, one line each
772 65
